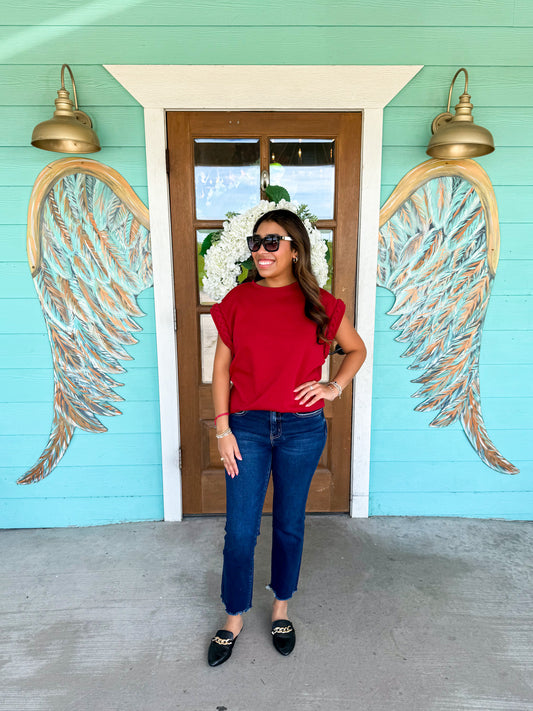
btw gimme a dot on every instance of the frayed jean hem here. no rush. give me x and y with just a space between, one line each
281 599
241 612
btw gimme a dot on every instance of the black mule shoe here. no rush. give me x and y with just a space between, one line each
221 647
283 636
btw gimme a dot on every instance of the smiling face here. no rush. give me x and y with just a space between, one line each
275 267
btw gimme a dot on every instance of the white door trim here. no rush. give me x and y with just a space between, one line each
262 88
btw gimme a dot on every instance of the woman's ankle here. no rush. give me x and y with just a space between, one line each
279 610
234 624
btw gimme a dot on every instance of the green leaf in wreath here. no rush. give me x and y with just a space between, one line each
275 193
209 241
248 264
245 269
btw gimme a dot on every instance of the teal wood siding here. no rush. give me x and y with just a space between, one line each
415 470
103 478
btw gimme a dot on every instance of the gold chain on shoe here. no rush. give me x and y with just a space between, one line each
281 630
219 640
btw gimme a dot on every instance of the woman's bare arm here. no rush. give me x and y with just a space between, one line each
352 344
227 446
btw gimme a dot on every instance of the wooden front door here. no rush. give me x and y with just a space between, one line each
215 162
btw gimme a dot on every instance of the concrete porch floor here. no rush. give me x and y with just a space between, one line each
392 614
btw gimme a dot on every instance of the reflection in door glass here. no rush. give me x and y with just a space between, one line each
327 235
226 176
200 236
208 339
306 168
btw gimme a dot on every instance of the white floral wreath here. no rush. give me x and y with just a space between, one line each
224 259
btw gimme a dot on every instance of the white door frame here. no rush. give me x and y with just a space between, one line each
161 88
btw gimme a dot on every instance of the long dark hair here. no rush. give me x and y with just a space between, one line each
295 228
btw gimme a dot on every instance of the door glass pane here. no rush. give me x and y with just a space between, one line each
306 168
328 236
324 378
226 176
200 236
208 339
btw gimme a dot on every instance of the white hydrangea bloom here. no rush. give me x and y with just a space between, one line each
222 260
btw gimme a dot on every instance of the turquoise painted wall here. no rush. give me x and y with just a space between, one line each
116 476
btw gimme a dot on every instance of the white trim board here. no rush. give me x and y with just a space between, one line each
295 88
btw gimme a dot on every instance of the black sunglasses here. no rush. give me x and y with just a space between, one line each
270 242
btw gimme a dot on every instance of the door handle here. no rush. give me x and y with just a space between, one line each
265 179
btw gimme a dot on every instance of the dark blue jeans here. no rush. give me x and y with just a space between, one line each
288 444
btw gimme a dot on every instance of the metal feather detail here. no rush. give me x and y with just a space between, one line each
90 257
438 252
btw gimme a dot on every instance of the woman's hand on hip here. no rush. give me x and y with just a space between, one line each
229 452
311 392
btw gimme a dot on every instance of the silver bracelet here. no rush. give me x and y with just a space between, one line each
223 434
337 386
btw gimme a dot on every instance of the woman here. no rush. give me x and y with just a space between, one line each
274 333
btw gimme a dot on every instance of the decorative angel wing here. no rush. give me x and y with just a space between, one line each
90 257
438 251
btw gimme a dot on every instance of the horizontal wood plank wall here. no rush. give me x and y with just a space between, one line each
415 470
103 478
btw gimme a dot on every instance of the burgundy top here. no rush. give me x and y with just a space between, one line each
273 344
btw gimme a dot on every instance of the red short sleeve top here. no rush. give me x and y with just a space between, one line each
273 344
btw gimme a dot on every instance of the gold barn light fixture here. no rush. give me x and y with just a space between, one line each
69 130
458 136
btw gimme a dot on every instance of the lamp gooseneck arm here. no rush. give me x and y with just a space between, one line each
66 66
451 85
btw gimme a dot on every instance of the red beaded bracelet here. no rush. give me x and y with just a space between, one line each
221 415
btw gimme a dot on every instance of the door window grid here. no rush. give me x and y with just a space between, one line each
227 175
226 172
